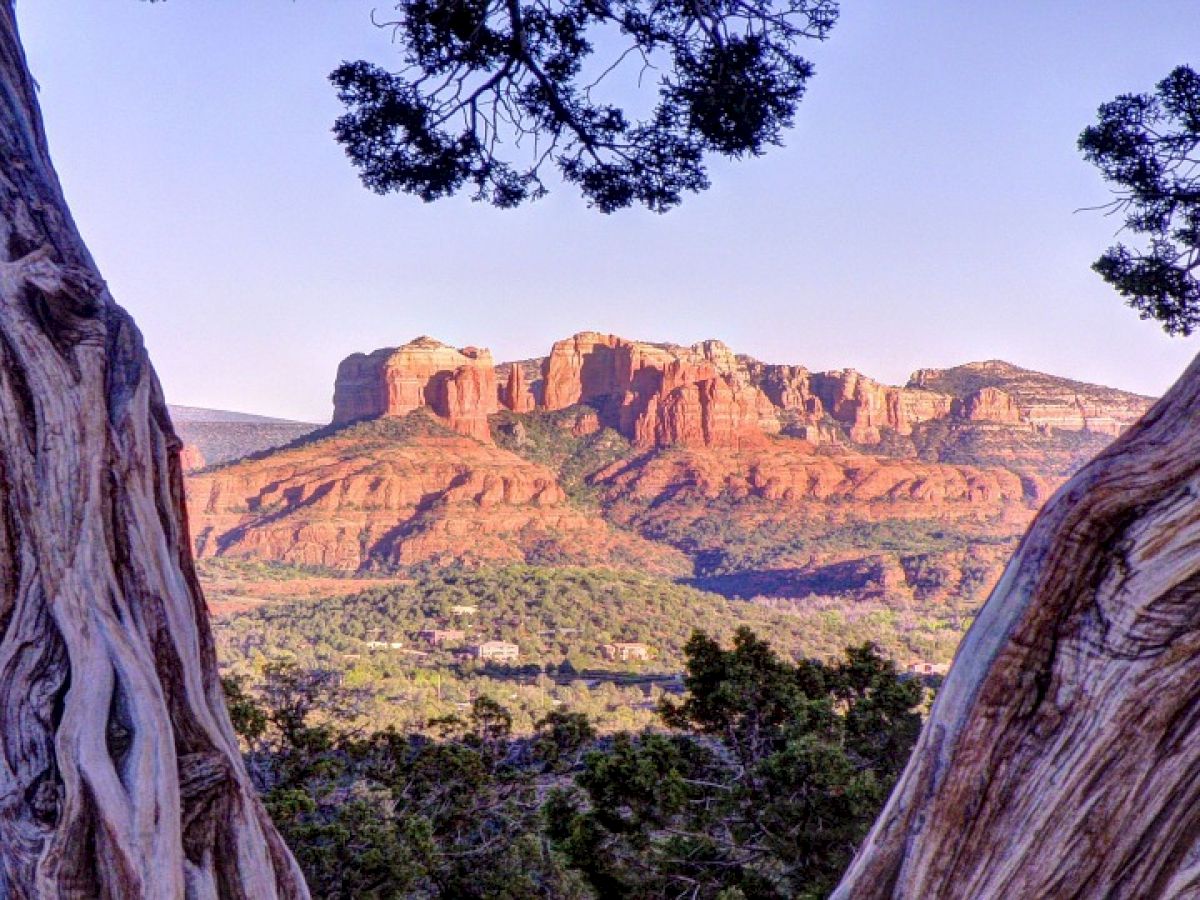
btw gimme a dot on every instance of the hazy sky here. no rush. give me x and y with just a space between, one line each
921 214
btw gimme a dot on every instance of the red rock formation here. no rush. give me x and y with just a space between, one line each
458 385
585 423
988 404
468 396
790 473
663 395
715 412
517 393
581 368
660 395
351 500
1044 401
788 387
865 406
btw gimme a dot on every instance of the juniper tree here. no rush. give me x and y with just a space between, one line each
1060 756
1147 146
119 770
492 93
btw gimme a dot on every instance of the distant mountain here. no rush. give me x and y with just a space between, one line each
751 479
213 436
200 414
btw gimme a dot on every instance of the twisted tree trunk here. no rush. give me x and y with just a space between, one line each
120 775
1062 755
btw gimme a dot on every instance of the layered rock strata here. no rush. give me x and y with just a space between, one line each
360 499
457 385
1001 392
663 395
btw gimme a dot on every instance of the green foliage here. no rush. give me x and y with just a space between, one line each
485 78
1145 145
775 773
561 739
762 788
546 437
559 618
552 614
390 816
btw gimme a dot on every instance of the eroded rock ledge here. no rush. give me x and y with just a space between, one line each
664 395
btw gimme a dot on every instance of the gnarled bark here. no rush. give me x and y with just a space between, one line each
1062 755
120 775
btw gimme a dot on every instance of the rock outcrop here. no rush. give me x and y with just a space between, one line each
664 395
1042 401
457 385
988 404
582 369
786 474
519 387
866 407
661 395
756 478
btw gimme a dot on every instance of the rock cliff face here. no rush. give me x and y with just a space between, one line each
663 395
520 385
660 395
457 385
1001 392
582 369
988 404
866 407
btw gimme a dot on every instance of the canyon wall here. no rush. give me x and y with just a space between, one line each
661 395
664 395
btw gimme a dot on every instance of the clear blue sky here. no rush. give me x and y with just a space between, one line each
921 214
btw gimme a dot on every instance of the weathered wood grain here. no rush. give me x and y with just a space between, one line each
1062 755
120 775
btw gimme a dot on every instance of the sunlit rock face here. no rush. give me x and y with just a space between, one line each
988 404
997 391
665 395
457 385
390 492
865 407
661 395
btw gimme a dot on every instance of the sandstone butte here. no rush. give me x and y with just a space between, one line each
663 395
672 455
457 385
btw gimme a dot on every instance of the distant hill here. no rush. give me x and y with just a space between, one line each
215 436
1035 392
201 414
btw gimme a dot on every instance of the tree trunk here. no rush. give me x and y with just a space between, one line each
1062 755
120 775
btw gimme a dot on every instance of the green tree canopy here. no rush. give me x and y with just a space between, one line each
493 91
1147 146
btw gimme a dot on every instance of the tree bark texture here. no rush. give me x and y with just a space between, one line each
1062 755
120 775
